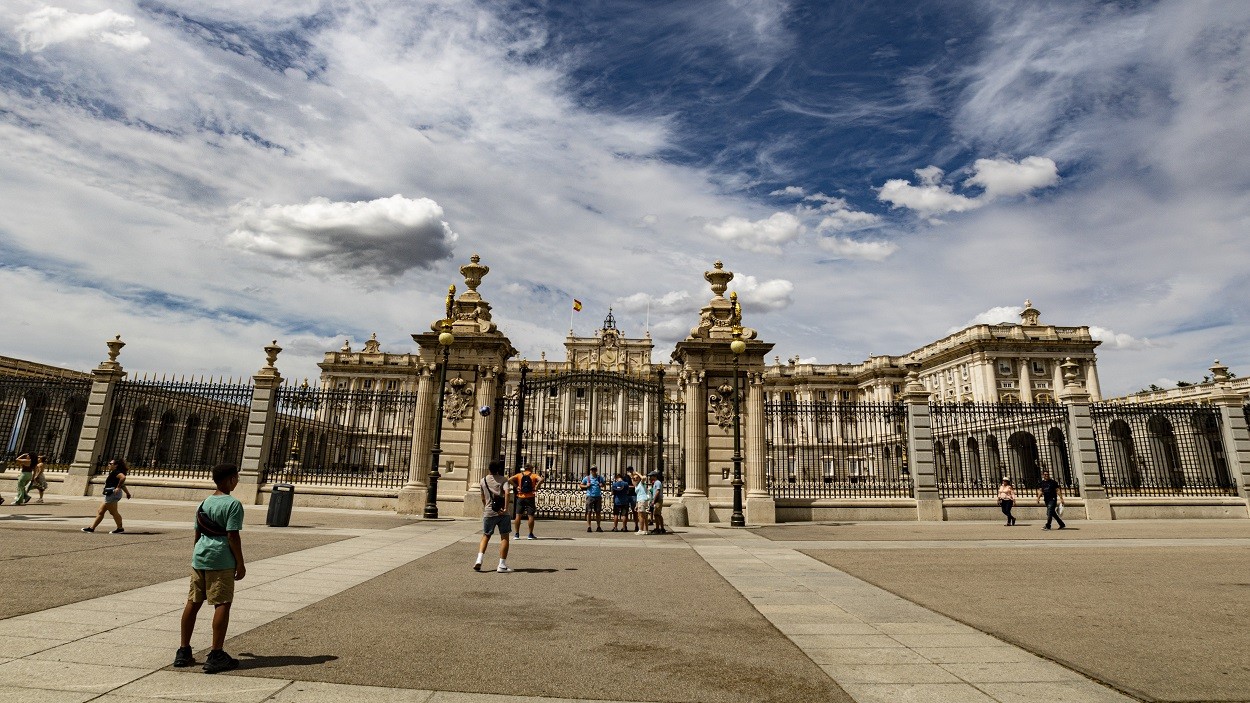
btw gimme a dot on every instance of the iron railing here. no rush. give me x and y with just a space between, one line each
976 445
836 450
576 420
177 429
341 437
1161 450
42 416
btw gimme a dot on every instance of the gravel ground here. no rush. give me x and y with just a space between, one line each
608 623
1161 623
1025 529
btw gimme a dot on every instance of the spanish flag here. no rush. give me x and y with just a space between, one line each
577 305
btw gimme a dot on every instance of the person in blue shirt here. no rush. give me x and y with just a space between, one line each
622 491
593 484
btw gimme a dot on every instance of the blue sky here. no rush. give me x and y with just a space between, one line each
202 178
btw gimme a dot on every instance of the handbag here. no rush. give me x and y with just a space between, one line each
1059 510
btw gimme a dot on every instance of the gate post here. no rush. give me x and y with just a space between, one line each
411 499
1234 433
698 509
95 422
482 444
761 507
920 447
260 423
1082 445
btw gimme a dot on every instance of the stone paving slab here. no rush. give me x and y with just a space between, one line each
1163 622
898 641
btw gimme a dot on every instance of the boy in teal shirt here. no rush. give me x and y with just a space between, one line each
216 563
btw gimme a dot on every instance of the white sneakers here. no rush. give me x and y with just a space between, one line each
504 569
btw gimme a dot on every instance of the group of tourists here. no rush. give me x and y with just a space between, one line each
508 501
1048 490
32 476
633 496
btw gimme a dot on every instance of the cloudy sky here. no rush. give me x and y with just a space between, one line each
205 177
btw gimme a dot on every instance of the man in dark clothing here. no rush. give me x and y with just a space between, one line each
1050 491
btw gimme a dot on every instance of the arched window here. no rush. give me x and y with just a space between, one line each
136 452
1211 448
76 409
165 438
211 443
957 462
975 470
1062 466
190 431
1164 450
1124 457
233 450
939 461
1024 460
993 459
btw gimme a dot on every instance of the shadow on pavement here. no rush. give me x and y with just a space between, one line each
248 660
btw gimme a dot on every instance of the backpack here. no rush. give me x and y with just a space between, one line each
527 483
496 499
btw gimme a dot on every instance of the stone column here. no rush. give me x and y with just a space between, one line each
695 498
761 509
1081 446
95 422
1091 380
260 424
412 495
1234 433
920 447
1026 382
1056 382
482 447
989 380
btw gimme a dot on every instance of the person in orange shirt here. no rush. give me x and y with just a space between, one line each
525 485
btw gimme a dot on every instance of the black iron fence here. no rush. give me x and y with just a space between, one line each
332 437
42 416
1161 450
836 450
177 429
976 445
576 420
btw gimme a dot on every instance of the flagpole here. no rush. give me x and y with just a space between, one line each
571 311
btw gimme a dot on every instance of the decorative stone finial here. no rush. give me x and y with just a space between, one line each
473 273
115 348
1219 372
272 350
1069 373
719 278
1029 316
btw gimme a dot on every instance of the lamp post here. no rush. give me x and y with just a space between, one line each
445 340
737 346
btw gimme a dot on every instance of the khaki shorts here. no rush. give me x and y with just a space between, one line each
216 587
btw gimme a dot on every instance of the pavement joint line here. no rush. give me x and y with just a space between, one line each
746 564
425 540
817 545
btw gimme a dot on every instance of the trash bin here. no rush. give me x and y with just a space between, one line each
281 500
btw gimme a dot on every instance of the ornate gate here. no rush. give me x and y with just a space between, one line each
565 423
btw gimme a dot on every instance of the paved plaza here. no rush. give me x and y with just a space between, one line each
367 606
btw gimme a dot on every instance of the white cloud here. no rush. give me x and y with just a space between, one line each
765 235
844 248
386 236
794 191
53 25
767 296
1001 315
677 300
1114 340
1005 178
928 199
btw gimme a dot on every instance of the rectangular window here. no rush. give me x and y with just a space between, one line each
897 388
392 385
1004 368
368 384
551 392
788 396
581 392
846 395
824 396
1039 367
341 384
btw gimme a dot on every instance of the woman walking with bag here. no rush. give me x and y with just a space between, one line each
39 481
1006 499
114 488
27 463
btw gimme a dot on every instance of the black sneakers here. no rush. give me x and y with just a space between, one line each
218 660
184 657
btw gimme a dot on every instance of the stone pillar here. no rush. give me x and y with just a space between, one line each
1056 381
482 447
698 509
920 447
1081 447
1026 382
989 380
260 424
95 422
1234 433
761 509
1091 380
412 495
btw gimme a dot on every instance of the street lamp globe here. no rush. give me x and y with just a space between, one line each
446 339
737 346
